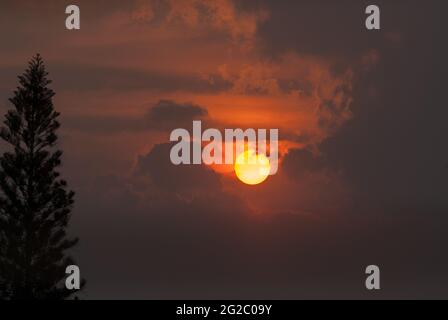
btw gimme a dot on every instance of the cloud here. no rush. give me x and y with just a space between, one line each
299 162
169 115
216 16
184 179
392 151
163 116
159 245
332 30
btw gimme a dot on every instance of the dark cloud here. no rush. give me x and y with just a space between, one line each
165 115
393 150
169 115
299 162
183 178
335 30
208 247
391 153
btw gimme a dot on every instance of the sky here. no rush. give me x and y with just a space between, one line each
363 173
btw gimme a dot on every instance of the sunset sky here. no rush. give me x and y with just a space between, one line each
363 174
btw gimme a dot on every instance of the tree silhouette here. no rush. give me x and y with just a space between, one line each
34 203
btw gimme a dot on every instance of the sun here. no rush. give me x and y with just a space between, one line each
251 168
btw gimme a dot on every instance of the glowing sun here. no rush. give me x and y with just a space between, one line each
251 168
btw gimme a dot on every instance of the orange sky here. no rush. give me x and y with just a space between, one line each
199 52
285 93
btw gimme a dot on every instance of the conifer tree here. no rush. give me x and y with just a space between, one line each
35 204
